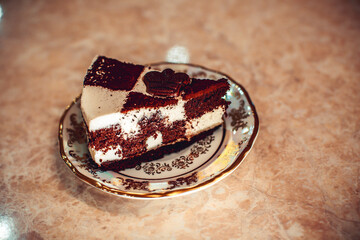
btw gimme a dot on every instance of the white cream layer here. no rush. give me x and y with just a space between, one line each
205 122
101 156
154 142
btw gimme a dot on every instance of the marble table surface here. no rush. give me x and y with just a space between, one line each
299 60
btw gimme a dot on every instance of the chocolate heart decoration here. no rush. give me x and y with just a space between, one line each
166 83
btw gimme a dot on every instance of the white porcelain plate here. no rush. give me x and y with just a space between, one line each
203 163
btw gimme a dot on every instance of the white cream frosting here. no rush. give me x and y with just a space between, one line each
101 156
154 142
207 121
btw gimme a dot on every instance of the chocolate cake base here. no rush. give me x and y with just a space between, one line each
153 154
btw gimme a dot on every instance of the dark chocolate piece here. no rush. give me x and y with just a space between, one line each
166 83
200 87
138 100
204 96
113 74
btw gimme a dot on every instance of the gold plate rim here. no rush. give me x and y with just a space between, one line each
170 193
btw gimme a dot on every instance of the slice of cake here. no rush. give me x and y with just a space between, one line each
130 110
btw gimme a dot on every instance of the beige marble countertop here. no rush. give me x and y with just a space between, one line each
300 62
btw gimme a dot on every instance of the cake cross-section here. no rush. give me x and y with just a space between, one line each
130 110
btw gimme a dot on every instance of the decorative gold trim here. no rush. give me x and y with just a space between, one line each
221 175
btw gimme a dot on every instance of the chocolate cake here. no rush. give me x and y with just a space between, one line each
134 112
